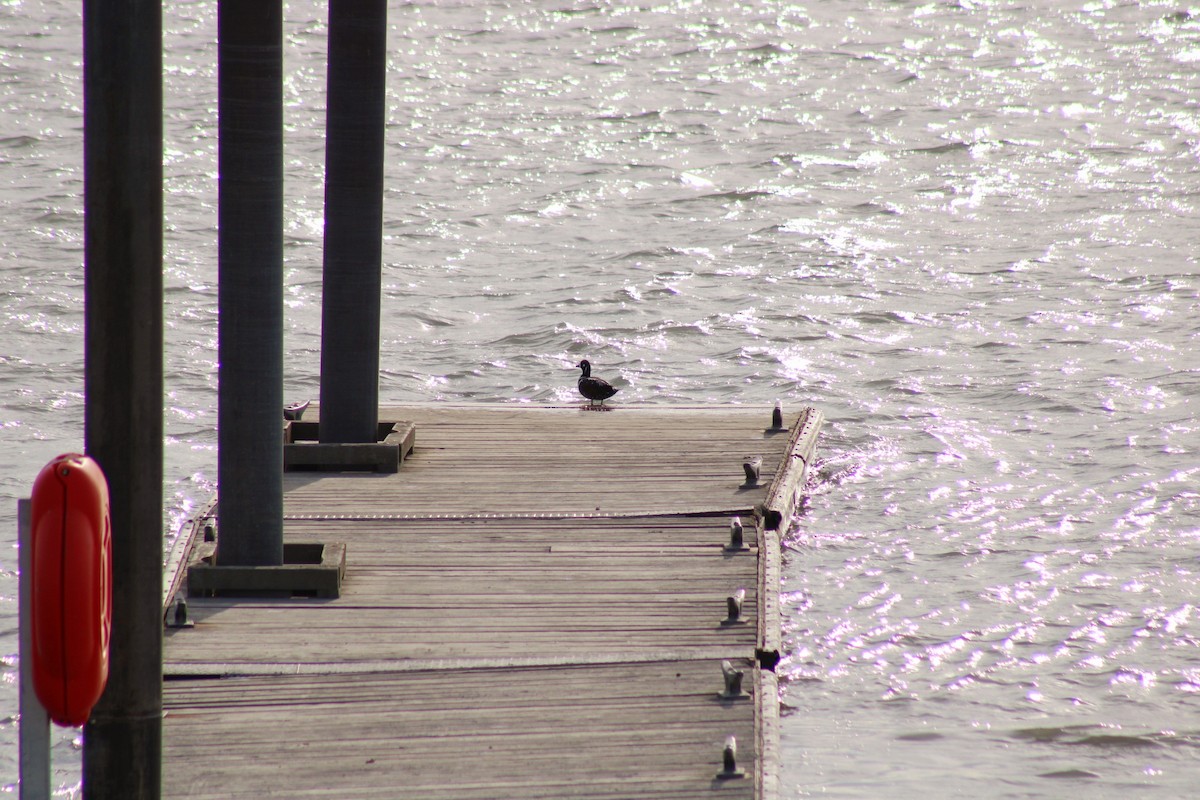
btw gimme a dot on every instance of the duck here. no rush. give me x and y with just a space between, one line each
593 388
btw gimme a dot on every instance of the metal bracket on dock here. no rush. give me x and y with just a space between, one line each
729 767
737 541
180 619
733 604
733 682
303 450
753 468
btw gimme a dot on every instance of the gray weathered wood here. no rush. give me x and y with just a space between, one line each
788 483
534 606
766 727
650 730
560 461
770 645
442 588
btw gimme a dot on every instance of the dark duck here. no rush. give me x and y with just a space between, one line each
593 388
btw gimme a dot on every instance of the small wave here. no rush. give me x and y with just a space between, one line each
426 319
1089 736
539 305
770 48
1052 734
55 215
1118 740
694 181
941 149
642 117
874 208
890 317
639 255
616 28
1069 774
527 341
737 195
17 142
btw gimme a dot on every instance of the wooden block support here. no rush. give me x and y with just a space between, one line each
789 482
310 570
303 451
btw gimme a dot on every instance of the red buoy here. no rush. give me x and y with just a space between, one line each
71 579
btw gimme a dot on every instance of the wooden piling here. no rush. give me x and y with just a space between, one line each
536 605
250 279
123 357
351 283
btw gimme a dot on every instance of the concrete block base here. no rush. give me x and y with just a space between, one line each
303 451
308 570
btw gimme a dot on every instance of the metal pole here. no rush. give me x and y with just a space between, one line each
250 293
122 61
353 221
35 722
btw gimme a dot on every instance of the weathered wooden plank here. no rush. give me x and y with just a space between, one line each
557 460
468 590
650 730
770 633
787 483
767 735
184 670
448 644
534 607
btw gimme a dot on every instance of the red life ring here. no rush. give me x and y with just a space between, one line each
71 580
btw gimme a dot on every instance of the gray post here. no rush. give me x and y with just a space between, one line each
123 346
353 221
35 722
250 293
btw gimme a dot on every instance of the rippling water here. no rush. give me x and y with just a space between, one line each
966 231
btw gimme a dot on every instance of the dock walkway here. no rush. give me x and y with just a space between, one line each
536 605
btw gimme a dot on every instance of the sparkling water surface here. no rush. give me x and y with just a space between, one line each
967 232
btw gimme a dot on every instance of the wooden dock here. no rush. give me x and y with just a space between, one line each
536 605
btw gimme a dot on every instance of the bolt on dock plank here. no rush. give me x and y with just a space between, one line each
540 603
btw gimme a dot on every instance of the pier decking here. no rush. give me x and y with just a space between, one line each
536 605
